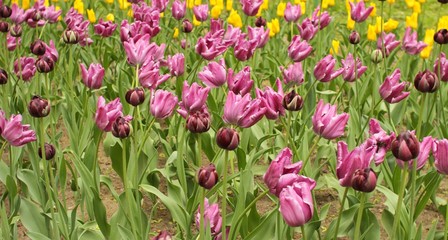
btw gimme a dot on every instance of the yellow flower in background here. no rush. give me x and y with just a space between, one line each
195 21
47 3
260 11
197 2
390 25
235 19
124 4
91 15
422 1
412 21
303 7
15 2
391 1
350 22
265 5
426 52
274 27
216 12
109 1
443 23
281 9
334 47
429 39
55 1
371 32
162 14
379 20
229 5
417 7
190 4
130 13
25 4
213 2
410 3
373 13
220 3
176 33
110 17
78 5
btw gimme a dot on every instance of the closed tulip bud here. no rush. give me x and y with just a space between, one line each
406 146
354 38
16 30
163 235
135 96
292 101
260 22
442 1
70 37
5 11
39 107
199 122
3 76
376 56
45 64
364 180
227 138
50 151
207 176
426 81
121 127
187 26
4 27
38 48
441 36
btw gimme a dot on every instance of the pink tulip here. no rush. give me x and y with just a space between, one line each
178 9
106 114
327 123
244 49
349 162
272 101
149 75
251 7
299 50
18 15
381 140
296 204
212 217
25 68
92 78
233 34
3 121
105 29
241 82
440 153
443 63
392 91
410 44
194 97
259 34
201 12
324 69
292 13
425 149
132 30
11 42
214 74
307 29
137 49
50 15
358 12
163 104
76 22
242 111
293 75
390 43
149 15
320 18
211 45
176 64
51 51
349 66
160 4
14 132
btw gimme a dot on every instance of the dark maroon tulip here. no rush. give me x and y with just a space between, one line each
354 38
406 146
45 64
70 37
50 151
260 22
364 180
426 81
121 128
292 101
39 107
199 122
441 36
187 26
38 47
207 176
443 1
3 76
15 30
4 27
5 11
135 96
227 138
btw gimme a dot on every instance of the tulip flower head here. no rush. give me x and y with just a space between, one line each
350 162
105 28
92 77
324 69
410 44
272 101
406 146
178 9
25 68
293 75
176 64
163 104
251 7
307 29
214 74
391 90
212 217
292 12
106 114
390 43
441 67
242 111
327 123
440 153
14 131
426 82
201 12
298 50
381 139
359 12
349 66
425 148
240 83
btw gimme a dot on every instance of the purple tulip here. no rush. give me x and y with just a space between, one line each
212 217
149 75
93 77
406 146
440 153
259 34
242 111
324 69
410 44
241 82
296 203
307 29
299 50
163 104
244 49
214 74
132 30
178 9
425 148
390 43
358 12
391 91
211 45
349 162
201 12
251 7
293 75
51 51
75 22
106 114
139 50
349 66
272 101
160 4
320 18
18 15
149 15
381 139
176 64
194 97
105 29
292 12
327 123
14 132
233 34
11 42
280 166
50 15
27 68
441 61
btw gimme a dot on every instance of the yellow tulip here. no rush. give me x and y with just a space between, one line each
417 8
421 1
91 15
213 2
216 12
371 32
350 22
190 4
78 5
229 5
390 25
260 11
391 1
274 27
373 13
195 21
55 1
109 1
426 52
281 9
25 4
410 3
110 17
379 20
130 13
443 23
412 21
197 2
124 4
334 47
15 2
265 5
303 7
429 36
176 33
234 19
162 14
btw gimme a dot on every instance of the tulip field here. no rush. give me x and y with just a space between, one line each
224 119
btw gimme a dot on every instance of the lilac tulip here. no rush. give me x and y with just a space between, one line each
176 64
349 162
299 50
201 12
251 7
443 63
15 132
194 97
293 75
210 46
163 104
12 42
242 111
440 153
391 91
349 66
106 114
137 49
259 34
149 75
178 9
25 68
51 51
296 203
149 15
324 69
232 35
244 49
390 43
272 101
212 217
75 22
214 74
241 82
50 15
381 140
320 18
160 4
292 12
307 29
358 12
327 123
18 15
93 77
133 30
280 166
104 29
410 44
425 149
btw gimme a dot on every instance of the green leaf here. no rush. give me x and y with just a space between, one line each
100 214
32 218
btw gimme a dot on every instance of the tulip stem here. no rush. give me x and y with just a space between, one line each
199 153
439 69
127 193
201 220
344 197
420 115
309 154
224 195
302 228
400 200
445 236
359 217
414 179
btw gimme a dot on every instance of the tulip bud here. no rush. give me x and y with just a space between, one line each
121 128
39 107
376 56
187 26
426 81
443 1
207 176
354 37
73 185
3 76
50 151
364 180
4 27
70 37
227 138
260 22
199 122
38 47
44 64
135 96
292 101
163 235
16 30
441 36
406 146
36 16
5 11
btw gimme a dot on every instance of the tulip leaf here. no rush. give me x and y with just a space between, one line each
32 218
